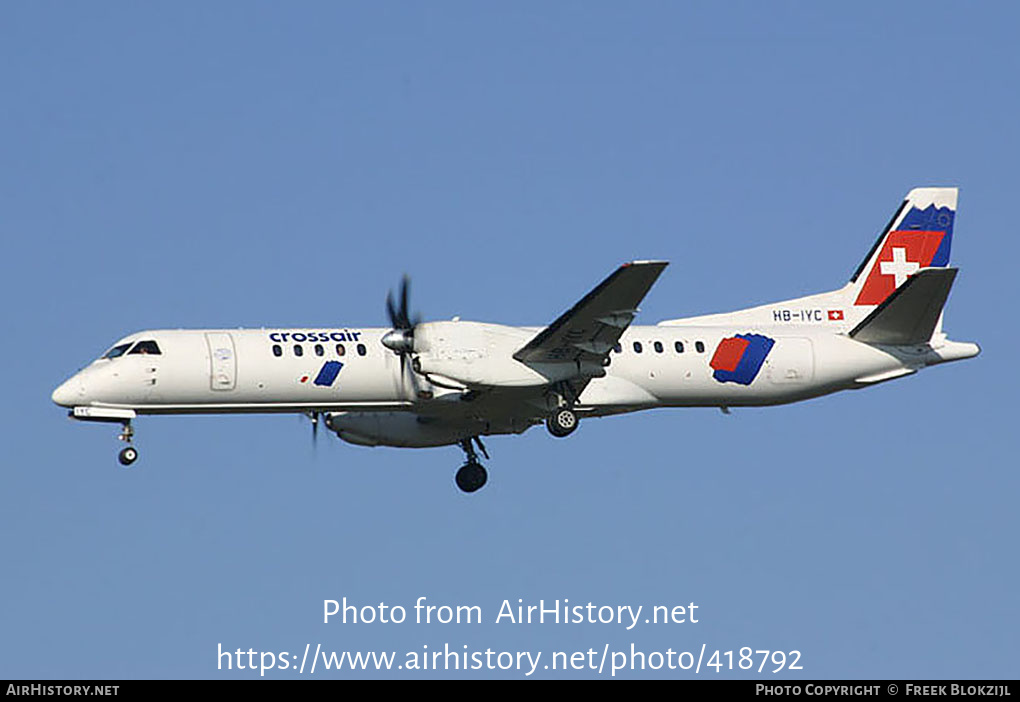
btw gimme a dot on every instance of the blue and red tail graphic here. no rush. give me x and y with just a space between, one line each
919 236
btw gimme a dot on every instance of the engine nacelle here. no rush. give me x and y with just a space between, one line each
474 353
401 429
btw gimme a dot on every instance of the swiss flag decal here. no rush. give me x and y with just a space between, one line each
835 315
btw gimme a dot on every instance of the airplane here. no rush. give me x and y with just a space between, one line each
442 383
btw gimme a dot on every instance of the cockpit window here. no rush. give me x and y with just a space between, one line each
145 348
117 351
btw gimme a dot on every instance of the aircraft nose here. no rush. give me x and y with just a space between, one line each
66 394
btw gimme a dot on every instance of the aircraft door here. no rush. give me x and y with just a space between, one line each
222 361
792 361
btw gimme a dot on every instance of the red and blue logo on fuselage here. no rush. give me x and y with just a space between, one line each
738 359
327 374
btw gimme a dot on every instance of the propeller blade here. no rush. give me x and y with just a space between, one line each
399 315
391 311
405 285
414 384
404 375
313 417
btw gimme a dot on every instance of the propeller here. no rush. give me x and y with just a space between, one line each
400 339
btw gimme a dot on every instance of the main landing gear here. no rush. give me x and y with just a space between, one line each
129 454
562 422
472 476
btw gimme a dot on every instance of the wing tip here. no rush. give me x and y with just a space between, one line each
648 262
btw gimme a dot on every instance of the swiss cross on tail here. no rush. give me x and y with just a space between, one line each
919 236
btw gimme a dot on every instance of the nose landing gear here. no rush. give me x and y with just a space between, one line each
129 454
472 475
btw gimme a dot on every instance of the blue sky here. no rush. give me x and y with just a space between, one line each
255 164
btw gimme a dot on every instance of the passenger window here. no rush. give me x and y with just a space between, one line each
145 348
637 347
362 350
340 350
277 350
618 348
679 346
658 346
117 351
319 350
699 347
299 350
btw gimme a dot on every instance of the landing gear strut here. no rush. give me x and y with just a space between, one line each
563 420
129 454
472 476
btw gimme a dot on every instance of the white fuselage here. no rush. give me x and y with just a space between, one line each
238 370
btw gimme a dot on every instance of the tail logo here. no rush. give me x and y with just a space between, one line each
738 359
922 240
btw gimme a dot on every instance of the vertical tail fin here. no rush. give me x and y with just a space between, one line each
918 236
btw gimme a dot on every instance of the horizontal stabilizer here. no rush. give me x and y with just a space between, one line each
910 314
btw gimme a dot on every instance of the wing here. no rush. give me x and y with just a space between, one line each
587 331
